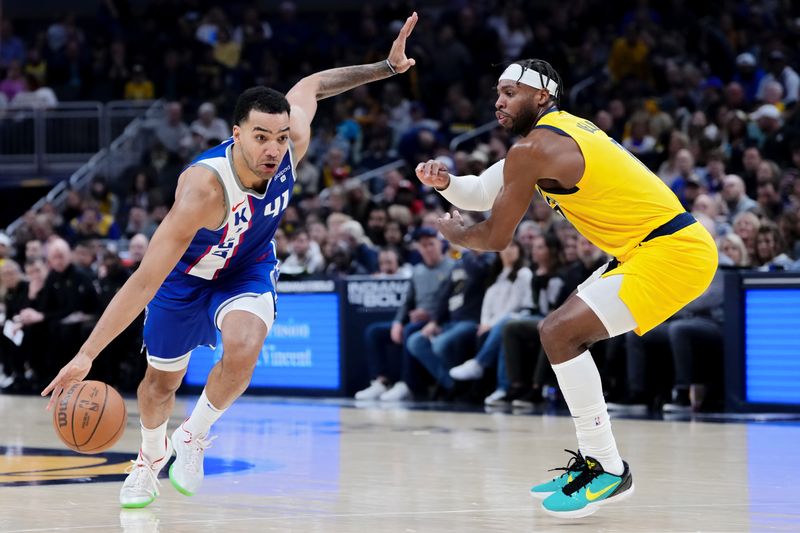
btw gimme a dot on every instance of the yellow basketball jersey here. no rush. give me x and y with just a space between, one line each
618 201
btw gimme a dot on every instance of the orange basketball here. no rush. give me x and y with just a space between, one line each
90 417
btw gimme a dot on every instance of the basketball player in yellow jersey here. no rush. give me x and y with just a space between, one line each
663 258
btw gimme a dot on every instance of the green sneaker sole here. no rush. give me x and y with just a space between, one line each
137 505
175 483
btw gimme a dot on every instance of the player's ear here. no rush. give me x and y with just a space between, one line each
237 133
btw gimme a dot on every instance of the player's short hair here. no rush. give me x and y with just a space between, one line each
544 69
261 99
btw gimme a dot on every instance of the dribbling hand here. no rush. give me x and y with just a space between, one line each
73 372
433 174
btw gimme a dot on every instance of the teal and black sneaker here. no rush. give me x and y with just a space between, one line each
575 465
590 489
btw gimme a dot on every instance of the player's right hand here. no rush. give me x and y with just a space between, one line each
73 372
434 174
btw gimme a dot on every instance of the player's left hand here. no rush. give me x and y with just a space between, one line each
397 55
452 227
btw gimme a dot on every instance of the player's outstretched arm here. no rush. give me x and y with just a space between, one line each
472 193
199 202
304 95
496 232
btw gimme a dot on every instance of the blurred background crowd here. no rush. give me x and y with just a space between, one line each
705 94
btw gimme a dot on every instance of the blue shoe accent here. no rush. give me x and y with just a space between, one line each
592 488
575 465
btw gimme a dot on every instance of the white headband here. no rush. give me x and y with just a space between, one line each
529 77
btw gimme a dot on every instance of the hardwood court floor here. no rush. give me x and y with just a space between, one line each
317 465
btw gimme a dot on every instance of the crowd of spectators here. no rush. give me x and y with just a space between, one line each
704 94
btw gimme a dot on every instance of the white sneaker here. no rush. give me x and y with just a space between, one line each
373 392
466 371
397 393
141 486
497 398
186 472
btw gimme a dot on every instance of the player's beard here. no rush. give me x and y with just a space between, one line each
523 122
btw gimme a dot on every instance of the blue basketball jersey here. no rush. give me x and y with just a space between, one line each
246 235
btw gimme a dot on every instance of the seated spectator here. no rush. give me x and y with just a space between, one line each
139 87
85 258
68 298
508 293
34 250
34 96
376 224
526 374
363 252
14 82
93 224
172 132
144 192
451 332
709 206
527 231
13 357
417 309
139 221
209 126
340 261
685 177
305 258
746 225
335 168
736 201
639 141
668 171
733 247
106 201
768 185
770 249
137 247
389 265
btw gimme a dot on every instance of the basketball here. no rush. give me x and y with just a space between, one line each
90 417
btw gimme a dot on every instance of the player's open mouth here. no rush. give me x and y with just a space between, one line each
501 118
269 167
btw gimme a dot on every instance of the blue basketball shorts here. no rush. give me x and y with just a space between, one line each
187 311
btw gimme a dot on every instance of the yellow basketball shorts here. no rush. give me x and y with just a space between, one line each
662 275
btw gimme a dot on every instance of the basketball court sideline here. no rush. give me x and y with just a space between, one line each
332 465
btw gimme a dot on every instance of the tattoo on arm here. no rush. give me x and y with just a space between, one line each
339 80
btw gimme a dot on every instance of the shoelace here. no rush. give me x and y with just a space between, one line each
576 463
197 445
586 476
140 480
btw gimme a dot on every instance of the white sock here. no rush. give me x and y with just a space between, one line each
154 442
204 415
580 384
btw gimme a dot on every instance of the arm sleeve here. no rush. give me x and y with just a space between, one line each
475 193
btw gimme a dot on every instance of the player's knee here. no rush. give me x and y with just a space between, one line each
243 348
159 384
553 335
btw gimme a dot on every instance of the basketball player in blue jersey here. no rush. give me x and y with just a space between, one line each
211 265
